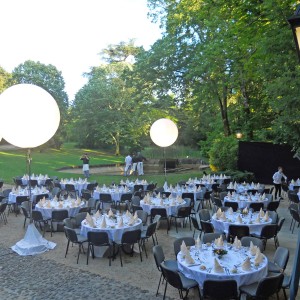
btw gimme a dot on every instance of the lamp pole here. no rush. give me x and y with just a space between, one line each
295 26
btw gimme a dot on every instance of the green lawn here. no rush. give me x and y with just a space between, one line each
13 163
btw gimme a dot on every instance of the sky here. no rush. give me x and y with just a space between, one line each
70 34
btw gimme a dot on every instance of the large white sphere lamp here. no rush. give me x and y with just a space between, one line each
30 115
164 133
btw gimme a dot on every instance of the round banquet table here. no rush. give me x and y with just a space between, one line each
248 220
230 261
13 195
114 232
156 203
179 191
67 204
40 179
115 193
244 201
78 184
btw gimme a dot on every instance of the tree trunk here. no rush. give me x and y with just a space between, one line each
224 115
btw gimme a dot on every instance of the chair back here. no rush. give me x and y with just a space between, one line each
33 182
159 255
131 237
106 198
70 187
189 241
207 227
86 194
204 214
136 200
79 218
188 195
21 199
151 229
165 194
3 207
71 234
25 212
238 231
210 237
245 241
184 211
59 215
233 205
295 215
85 209
220 289
126 196
256 206
280 223
274 216
281 257
294 282
195 223
269 231
138 187
171 276
268 286
143 215
98 238
158 211
70 223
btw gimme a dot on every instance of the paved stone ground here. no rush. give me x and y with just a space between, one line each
52 276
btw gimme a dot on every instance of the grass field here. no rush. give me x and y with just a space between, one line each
14 163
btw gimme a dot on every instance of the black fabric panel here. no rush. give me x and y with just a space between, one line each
263 160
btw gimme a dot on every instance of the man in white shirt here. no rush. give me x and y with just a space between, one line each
128 163
277 180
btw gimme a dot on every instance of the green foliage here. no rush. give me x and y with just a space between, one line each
5 78
240 177
223 154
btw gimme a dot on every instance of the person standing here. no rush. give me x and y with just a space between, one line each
128 163
134 164
277 180
85 165
140 163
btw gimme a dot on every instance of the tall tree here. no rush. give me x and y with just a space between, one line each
4 79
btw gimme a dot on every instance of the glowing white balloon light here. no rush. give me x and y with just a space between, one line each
164 132
30 116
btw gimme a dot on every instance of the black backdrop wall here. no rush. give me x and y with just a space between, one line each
263 160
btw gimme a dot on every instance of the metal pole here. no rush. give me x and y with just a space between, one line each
29 185
165 164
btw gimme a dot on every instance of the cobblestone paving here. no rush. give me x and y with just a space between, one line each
34 278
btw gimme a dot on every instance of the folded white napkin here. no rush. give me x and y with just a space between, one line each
217 267
198 242
135 217
158 195
258 258
237 243
90 220
245 210
252 249
110 213
266 217
188 259
184 250
103 223
120 224
261 213
239 220
128 214
131 221
230 211
97 214
257 221
246 265
219 241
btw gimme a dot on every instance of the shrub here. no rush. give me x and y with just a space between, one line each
223 154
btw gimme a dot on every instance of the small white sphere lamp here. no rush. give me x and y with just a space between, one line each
30 115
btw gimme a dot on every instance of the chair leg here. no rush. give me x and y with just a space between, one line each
140 250
79 251
284 293
165 290
159 284
120 250
67 248
176 225
24 222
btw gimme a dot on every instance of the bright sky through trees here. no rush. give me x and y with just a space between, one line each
69 34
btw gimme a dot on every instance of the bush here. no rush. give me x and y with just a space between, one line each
240 176
223 154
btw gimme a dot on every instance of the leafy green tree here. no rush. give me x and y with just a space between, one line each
4 79
104 110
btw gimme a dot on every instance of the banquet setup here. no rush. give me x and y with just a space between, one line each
215 244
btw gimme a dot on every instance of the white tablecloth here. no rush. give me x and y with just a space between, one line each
40 179
47 212
13 195
115 193
248 220
244 201
78 185
114 232
205 257
179 191
156 203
